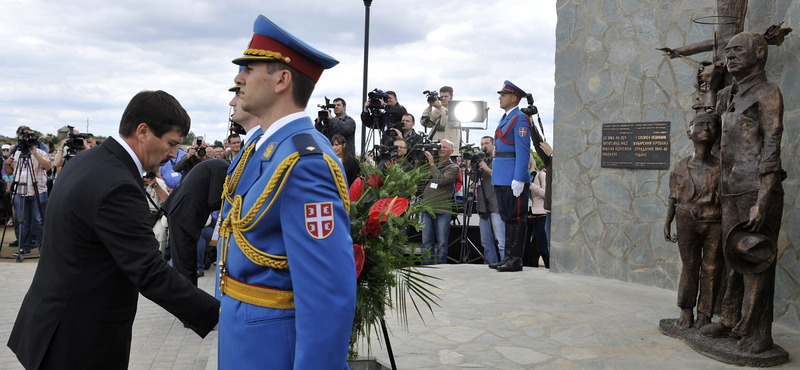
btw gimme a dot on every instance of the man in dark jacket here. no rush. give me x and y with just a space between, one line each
187 210
79 310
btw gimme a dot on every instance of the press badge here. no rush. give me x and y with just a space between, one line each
434 185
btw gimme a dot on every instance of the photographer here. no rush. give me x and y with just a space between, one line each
436 227
436 116
340 123
491 224
382 112
27 208
73 144
194 155
40 144
400 159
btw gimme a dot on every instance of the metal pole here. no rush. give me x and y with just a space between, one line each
367 4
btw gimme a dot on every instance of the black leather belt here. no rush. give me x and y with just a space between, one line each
506 155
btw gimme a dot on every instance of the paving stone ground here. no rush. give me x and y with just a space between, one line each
487 320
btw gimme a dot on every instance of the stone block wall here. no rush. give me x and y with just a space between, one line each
608 222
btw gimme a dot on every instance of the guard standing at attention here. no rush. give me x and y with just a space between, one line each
287 273
510 175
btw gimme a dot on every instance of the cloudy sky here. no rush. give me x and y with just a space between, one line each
79 61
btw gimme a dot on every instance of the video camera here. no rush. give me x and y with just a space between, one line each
531 109
385 152
377 99
201 152
470 153
433 95
418 152
150 175
74 143
323 113
26 140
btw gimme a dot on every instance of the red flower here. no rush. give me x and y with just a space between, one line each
375 181
371 228
355 189
358 254
383 207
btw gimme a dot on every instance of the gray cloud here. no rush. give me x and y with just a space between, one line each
65 62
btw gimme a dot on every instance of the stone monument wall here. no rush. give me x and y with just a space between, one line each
608 222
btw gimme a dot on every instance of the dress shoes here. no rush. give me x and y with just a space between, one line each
513 264
501 262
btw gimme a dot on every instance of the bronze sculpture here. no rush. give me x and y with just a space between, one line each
694 199
751 194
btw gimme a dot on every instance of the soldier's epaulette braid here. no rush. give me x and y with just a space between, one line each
238 225
341 182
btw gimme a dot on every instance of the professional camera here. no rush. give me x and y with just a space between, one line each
531 109
27 140
150 175
385 152
433 95
418 152
323 113
201 152
476 155
376 99
74 143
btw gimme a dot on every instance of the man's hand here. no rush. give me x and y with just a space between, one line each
516 187
485 167
150 182
430 158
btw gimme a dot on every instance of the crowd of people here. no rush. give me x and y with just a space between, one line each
275 201
439 148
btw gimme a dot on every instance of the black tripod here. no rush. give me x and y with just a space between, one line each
23 175
470 188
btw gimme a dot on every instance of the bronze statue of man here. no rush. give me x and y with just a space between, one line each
751 109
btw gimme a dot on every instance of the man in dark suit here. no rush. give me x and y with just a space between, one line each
187 210
79 310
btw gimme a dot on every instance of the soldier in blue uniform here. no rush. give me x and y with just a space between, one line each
287 274
510 175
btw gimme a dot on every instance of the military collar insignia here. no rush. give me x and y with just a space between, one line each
269 150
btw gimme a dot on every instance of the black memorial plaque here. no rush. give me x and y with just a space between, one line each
639 145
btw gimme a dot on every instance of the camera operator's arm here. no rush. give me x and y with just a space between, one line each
161 192
9 165
183 162
446 177
439 114
485 167
43 159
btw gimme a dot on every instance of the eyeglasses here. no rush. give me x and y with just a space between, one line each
5 150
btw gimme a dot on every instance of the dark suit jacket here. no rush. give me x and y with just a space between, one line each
187 210
101 253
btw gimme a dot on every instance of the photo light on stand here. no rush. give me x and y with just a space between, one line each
468 111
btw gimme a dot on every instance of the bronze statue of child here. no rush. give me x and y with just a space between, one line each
694 200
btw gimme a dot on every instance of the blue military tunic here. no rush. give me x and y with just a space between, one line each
288 230
513 135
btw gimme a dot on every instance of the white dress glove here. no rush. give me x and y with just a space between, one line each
516 187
